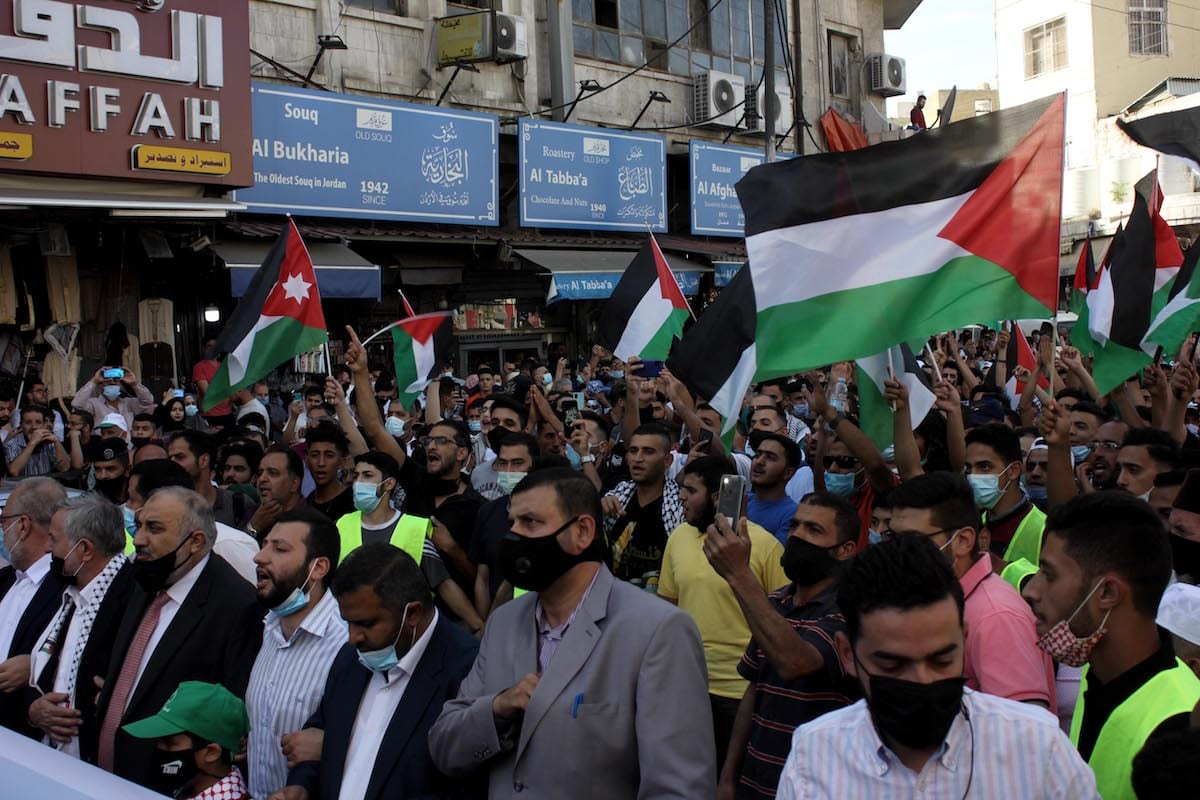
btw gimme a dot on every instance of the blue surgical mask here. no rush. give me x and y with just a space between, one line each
475 425
191 411
394 426
297 600
1080 452
547 379
5 553
1038 495
366 496
111 392
509 480
800 410
986 489
130 521
873 536
618 373
840 483
385 658
573 457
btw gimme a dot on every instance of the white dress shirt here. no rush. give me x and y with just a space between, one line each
238 548
375 712
176 594
286 686
70 641
13 606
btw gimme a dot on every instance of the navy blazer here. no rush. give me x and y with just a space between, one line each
41 609
403 767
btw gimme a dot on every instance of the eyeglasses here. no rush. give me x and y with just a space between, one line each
437 441
922 534
1107 445
845 462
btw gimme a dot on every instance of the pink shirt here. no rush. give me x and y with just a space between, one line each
1002 656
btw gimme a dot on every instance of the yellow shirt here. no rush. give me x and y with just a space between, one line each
689 580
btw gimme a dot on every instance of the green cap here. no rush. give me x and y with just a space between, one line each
207 711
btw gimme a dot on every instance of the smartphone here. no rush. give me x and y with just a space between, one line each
114 372
580 400
651 369
297 397
731 500
705 435
570 414
178 393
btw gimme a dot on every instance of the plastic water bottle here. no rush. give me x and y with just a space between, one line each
840 397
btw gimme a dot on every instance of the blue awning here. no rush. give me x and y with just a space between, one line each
341 273
593 274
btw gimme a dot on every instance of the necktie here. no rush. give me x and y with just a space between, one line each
53 645
125 680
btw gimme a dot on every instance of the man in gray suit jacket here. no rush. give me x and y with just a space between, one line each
586 687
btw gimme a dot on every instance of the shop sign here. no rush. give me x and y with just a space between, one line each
579 177
715 169
723 272
144 89
339 155
600 285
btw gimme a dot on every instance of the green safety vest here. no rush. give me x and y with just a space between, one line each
409 534
1025 550
1173 691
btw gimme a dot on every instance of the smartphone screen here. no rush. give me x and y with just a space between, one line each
732 499
651 369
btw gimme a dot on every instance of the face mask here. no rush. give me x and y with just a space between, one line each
383 659
58 567
1194 430
152 574
800 410
139 441
297 600
806 563
1080 453
573 457
1145 496
130 521
5 553
840 483
617 374
873 536
944 547
986 489
111 488
172 770
1038 495
394 426
534 564
366 496
509 480
475 426
916 715
1064 646
1185 556
495 436
547 379
111 392
889 453
191 411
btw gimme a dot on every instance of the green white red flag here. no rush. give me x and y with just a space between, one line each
647 310
419 345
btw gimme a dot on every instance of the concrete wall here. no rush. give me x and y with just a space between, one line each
1121 77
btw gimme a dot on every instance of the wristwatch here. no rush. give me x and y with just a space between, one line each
588 459
833 423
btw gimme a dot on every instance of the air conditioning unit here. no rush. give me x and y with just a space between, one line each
888 74
757 109
509 38
717 98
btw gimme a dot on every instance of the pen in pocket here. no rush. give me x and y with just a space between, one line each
575 706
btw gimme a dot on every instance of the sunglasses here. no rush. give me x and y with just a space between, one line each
845 462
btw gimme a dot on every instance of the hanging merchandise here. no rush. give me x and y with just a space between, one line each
8 287
62 289
156 326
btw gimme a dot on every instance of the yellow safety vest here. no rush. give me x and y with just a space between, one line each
1024 551
409 534
1015 573
1173 691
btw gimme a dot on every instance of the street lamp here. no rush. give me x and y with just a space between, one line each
655 97
587 85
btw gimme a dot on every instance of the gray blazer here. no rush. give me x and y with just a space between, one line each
631 667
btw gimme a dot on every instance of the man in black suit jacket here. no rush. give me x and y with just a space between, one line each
87 543
386 687
29 594
191 618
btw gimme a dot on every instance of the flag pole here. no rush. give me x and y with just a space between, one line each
650 231
891 374
382 330
1057 280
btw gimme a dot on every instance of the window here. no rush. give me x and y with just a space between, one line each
839 65
1148 27
389 6
983 107
1046 48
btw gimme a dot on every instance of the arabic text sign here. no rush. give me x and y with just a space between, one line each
92 80
578 177
715 168
342 155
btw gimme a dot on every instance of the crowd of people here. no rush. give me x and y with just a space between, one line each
565 579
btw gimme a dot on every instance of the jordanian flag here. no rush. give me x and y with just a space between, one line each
1180 317
277 318
852 252
875 413
647 310
419 344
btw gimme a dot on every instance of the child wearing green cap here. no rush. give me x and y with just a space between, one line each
198 730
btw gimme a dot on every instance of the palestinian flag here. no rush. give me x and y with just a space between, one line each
875 415
1081 337
1176 133
277 318
852 252
1181 315
1018 354
419 345
647 310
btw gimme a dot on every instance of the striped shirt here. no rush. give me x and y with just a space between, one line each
286 685
999 749
41 460
781 705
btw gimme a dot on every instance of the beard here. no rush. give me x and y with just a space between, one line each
282 587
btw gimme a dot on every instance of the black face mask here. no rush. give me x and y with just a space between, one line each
140 441
172 770
1185 556
806 563
534 564
916 715
152 574
111 488
58 568
495 436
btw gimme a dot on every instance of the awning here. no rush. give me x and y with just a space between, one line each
120 205
593 274
340 271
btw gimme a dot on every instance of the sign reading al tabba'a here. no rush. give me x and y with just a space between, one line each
138 89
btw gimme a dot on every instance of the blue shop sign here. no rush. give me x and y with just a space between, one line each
339 155
715 169
579 177
723 272
600 285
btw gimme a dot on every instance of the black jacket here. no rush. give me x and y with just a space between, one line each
37 615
